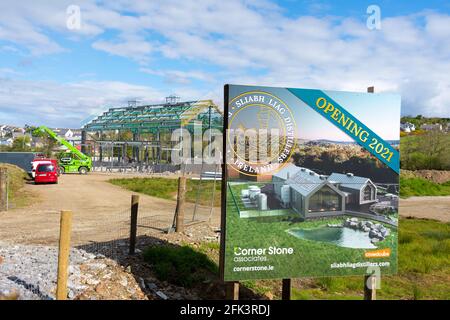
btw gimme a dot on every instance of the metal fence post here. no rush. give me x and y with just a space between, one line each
133 222
179 226
63 255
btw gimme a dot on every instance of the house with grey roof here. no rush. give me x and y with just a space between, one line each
359 190
307 193
313 195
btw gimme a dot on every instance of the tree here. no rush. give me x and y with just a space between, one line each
435 147
48 142
21 144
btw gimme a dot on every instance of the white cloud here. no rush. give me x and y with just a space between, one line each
438 25
130 47
252 42
66 104
72 104
21 23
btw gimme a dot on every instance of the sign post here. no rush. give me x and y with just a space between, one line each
232 290
286 289
370 291
370 280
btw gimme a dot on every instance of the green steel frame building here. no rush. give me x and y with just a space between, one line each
141 135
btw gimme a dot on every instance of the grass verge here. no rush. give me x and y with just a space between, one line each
421 187
17 178
167 189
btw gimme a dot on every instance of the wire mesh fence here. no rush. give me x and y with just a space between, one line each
10 201
105 235
32 255
30 264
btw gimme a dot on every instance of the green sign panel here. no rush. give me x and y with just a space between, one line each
310 185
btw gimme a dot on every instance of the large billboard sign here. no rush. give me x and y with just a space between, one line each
310 183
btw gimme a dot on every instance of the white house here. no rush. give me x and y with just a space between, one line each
16 132
6 130
432 126
6 142
407 127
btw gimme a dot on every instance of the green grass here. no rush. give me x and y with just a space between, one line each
167 189
423 268
422 187
17 178
182 266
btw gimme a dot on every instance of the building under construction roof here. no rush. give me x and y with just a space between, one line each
153 118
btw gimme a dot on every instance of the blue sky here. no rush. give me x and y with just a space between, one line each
59 76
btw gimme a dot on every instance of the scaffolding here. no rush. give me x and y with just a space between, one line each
148 146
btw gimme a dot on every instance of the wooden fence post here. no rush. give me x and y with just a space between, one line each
3 189
63 255
370 284
232 290
133 222
179 226
286 289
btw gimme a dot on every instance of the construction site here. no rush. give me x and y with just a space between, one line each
116 147
126 196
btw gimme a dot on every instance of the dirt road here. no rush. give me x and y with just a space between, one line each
437 208
96 205
101 211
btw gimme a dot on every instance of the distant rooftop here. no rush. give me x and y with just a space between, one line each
300 179
348 180
305 180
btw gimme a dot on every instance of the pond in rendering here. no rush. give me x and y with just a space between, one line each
343 237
